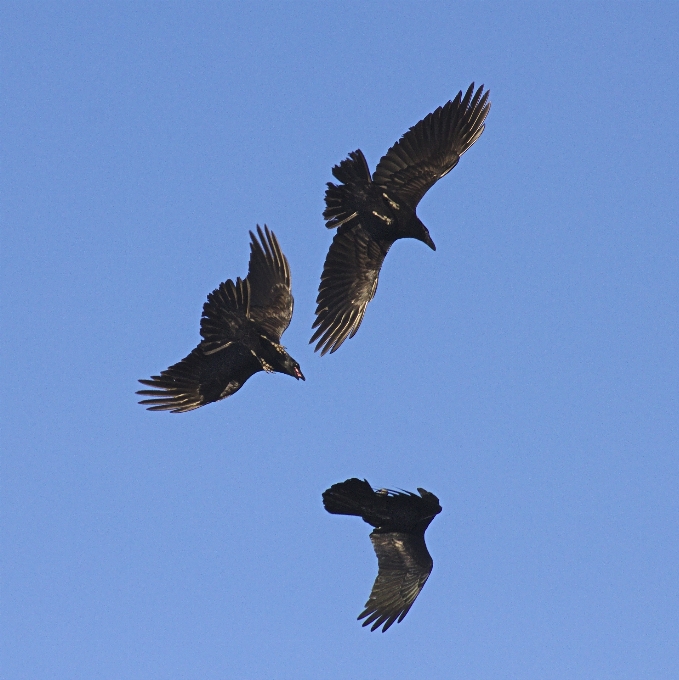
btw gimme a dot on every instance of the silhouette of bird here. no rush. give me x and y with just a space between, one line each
400 519
372 213
241 328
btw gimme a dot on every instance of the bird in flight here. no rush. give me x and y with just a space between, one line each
370 213
400 519
241 328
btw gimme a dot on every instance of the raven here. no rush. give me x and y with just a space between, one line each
372 213
400 519
241 328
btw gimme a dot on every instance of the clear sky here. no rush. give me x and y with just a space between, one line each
526 372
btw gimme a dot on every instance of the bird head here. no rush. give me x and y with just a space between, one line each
289 366
432 502
278 359
420 232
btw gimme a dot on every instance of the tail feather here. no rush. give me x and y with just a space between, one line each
353 497
353 170
340 201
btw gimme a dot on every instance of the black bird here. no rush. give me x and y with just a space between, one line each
372 213
400 519
241 328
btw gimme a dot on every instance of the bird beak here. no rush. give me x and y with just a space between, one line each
428 241
298 374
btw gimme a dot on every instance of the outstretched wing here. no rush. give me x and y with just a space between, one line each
404 565
348 283
271 301
176 389
198 379
432 147
225 315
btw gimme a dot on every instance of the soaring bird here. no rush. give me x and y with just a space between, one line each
241 328
373 212
400 519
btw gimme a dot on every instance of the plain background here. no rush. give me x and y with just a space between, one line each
526 372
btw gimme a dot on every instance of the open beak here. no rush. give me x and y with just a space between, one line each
298 374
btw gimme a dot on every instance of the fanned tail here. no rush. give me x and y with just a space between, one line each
353 497
353 170
340 198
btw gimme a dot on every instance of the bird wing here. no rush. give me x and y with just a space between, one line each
271 301
432 147
225 315
196 380
348 283
404 565
200 379
176 389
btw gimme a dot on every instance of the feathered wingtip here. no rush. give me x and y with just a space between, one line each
177 389
266 253
378 619
470 115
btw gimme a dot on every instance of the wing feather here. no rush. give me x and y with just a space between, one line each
225 315
432 147
200 379
348 283
404 565
176 389
271 301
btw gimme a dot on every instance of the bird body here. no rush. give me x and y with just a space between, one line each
378 209
400 519
241 327
372 212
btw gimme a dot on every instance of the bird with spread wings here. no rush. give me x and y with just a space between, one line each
371 213
241 327
400 519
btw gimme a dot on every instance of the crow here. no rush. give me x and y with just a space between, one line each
241 328
372 213
400 519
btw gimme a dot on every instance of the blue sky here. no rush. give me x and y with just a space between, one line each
526 372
